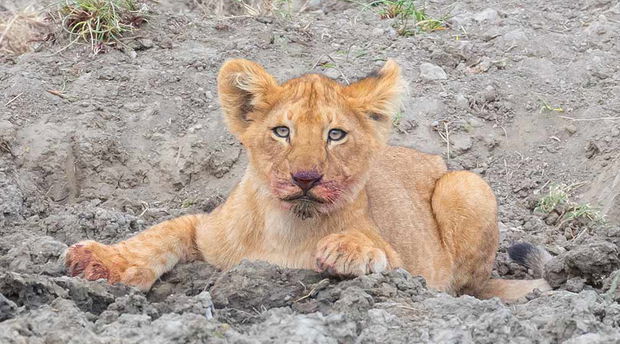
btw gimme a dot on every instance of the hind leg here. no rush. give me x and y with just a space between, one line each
466 213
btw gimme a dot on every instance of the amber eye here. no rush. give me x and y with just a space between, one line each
282 132
336 134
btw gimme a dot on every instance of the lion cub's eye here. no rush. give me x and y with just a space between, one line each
336 134
281 131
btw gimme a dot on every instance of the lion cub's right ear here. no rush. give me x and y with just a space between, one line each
245 90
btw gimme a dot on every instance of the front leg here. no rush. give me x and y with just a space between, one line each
140 260
355 253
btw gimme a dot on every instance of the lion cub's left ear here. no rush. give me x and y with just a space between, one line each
245 90
378 95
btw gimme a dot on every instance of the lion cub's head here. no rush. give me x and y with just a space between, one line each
311 139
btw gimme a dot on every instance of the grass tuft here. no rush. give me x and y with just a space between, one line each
101 23
558 200
409 19
557 195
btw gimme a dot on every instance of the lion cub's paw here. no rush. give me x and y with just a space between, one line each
92 261
348 255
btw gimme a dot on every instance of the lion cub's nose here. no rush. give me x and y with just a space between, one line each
306 179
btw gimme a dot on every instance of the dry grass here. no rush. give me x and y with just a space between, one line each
101 23
20 31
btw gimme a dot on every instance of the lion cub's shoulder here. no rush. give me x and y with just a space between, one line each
411 161
410 168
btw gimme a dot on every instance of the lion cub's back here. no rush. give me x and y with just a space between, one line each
399 192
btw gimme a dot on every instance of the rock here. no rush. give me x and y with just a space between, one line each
575 284
461 102
592 150
332 73
251 285
377 32
571 129
33 254
429 71
11 198
593 261
8 308
555 271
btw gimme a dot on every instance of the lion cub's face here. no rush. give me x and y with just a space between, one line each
310 139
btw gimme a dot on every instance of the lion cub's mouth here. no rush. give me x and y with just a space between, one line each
308 197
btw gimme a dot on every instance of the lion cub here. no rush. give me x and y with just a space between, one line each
323 191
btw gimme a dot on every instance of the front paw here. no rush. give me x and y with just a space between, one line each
92 261
349 255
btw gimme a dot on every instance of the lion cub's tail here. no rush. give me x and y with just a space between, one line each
533 258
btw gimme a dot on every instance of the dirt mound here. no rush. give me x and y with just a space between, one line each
101 147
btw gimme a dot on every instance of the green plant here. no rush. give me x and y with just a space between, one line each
100 22
558 200
557 195
409 19
397 118
546 107
583 211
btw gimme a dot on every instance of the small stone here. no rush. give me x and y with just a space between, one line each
489 94
575 284
145 43
377 32
430 71
461 102
571 129
393 34
490 141
332 73
615 132
475 123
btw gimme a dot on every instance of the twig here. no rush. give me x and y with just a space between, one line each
445 125
57 93
320 285
13 99
591 119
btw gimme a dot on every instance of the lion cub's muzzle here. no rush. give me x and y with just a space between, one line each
305 202
306 180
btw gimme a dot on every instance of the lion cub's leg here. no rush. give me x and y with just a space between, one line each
466 213
140 260
355 253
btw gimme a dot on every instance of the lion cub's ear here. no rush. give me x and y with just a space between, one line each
378 95
244 88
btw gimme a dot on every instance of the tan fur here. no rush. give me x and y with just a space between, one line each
375 207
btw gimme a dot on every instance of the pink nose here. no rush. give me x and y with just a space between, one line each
306 180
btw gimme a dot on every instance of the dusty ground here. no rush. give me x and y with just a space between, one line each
137 138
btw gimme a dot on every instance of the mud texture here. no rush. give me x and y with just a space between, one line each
137 138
